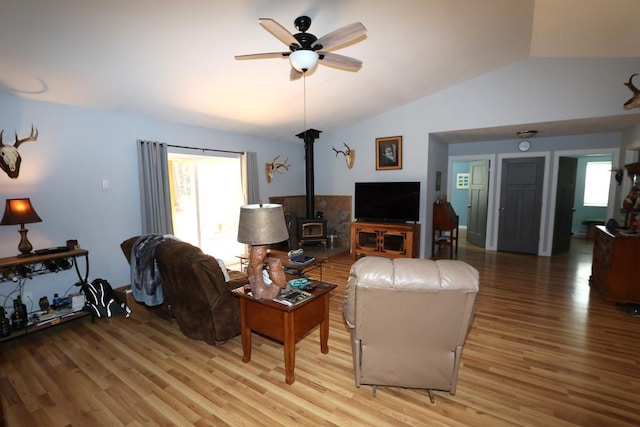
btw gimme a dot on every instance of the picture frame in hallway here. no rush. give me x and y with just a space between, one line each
389 153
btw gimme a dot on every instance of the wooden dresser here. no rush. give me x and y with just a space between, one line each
614 271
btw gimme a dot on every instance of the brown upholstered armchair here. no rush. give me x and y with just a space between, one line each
409 320
196 293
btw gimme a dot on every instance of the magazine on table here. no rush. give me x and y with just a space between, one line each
302 260
293 297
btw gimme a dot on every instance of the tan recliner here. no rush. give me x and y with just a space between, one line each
409 320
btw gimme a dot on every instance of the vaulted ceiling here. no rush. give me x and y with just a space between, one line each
174 60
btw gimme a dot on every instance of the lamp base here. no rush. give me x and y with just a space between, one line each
25 247
259 289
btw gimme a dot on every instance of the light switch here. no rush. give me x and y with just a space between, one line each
105 184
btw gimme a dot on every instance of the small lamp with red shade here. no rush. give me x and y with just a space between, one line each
20 212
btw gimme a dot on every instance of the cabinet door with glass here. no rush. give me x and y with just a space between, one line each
394 242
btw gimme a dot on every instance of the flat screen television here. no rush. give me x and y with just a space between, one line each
387 201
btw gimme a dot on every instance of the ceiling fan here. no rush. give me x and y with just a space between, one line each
306 50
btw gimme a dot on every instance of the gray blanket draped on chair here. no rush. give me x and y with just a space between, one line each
146 284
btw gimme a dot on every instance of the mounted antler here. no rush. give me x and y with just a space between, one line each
349 155
33 136
634 102
10 159
273 167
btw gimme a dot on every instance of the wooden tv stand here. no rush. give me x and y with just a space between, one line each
385 239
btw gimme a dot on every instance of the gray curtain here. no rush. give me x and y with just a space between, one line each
155 199
250 167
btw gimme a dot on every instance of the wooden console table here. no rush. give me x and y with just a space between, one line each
37 264
34 265
285 324
445 228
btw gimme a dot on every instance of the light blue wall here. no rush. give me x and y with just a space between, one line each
459 197
62 173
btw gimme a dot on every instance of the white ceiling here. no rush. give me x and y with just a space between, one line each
174 60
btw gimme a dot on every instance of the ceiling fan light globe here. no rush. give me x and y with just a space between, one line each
303 60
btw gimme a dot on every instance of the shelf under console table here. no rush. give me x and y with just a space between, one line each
38 264
23 267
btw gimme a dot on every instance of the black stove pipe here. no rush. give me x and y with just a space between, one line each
309 136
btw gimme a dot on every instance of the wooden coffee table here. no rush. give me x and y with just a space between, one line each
285 324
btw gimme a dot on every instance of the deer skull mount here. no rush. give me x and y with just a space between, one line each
349 155
10 159
271 168
634 102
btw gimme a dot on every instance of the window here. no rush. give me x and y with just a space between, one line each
206 195
462 181
596 184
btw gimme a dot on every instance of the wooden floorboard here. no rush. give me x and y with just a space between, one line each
543 350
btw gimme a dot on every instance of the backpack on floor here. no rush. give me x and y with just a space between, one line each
101 300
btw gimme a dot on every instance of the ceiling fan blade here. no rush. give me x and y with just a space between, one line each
264 55
341 36
340 61
278 31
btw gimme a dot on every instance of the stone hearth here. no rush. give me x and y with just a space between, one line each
336 211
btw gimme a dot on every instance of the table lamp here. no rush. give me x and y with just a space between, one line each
259 226
20 211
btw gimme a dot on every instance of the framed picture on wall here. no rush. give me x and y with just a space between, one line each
389 153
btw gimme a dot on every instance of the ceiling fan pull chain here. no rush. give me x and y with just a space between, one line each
304 99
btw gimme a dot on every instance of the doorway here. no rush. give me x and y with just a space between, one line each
590 187
520 211
565 195
478 202
471 195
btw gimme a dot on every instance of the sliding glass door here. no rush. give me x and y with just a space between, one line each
206 195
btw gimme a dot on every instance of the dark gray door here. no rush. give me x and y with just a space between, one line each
520 204
563 216
478 202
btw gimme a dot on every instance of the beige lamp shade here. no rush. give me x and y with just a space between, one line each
262 224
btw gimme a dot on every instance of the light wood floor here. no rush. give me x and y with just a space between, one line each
544 350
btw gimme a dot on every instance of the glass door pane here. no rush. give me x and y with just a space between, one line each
206 195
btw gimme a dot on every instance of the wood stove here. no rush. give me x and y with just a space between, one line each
310 229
